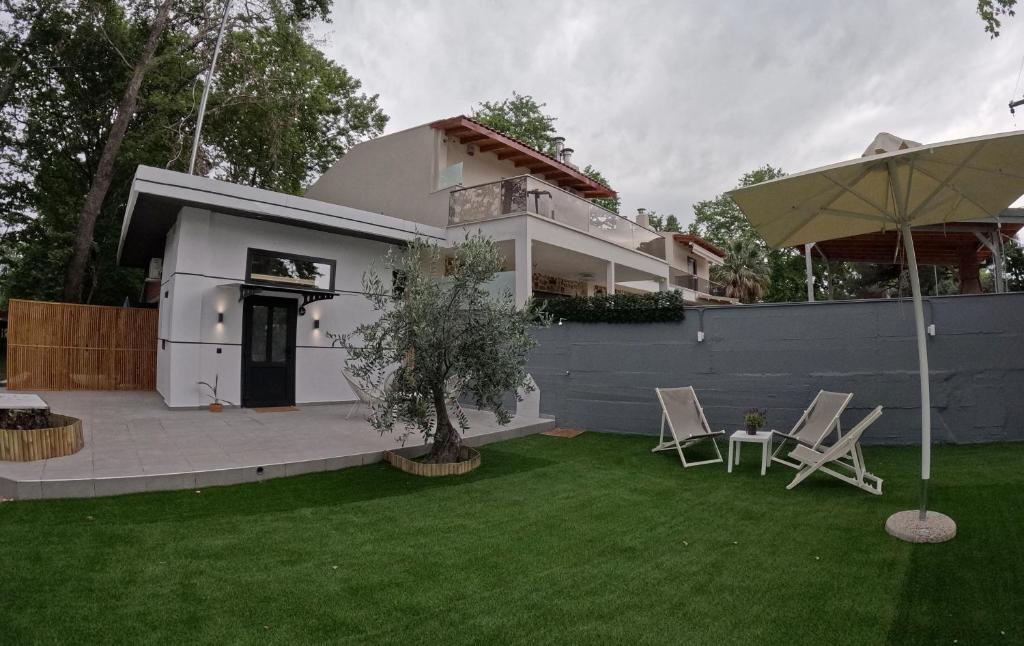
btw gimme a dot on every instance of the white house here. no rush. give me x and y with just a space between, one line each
249 281
458 174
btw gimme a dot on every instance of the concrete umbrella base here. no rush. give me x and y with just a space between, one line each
907 526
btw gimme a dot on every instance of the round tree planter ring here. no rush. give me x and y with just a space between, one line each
63 438
470 460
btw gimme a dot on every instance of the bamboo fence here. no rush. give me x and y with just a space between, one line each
63 346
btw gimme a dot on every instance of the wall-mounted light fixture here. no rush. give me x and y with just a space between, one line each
316 324
220 317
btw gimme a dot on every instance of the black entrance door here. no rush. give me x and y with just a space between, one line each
268 351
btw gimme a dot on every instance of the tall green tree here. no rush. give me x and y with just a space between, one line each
721 222
72 63
663 222
1013 261
744 272
283 112
522 117
103 174
991 11
610 203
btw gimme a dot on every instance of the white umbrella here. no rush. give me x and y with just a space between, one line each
897 184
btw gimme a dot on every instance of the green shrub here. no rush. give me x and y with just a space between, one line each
653 307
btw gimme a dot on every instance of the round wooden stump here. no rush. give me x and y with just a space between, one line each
63 438
470 460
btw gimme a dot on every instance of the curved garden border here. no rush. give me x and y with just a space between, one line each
470 460
41 443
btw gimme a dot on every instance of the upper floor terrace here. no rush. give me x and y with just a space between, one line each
527 194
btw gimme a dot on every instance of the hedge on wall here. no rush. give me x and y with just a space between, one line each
653 307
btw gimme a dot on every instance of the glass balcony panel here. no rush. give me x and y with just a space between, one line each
698 284
528 194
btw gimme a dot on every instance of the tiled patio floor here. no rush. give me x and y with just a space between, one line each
133 443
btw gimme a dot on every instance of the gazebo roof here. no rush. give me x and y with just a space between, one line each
934 244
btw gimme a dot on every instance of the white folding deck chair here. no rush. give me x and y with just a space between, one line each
686 423
817 422
845 453
367 395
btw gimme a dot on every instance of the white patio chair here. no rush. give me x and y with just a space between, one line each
845 453
367 394
816 423
686 423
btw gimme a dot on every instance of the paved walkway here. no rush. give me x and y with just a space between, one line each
134 443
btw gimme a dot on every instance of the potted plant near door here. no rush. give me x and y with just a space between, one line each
754 420
217 405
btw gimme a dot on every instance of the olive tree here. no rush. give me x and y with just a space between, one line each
439 334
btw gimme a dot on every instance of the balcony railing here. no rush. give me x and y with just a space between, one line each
527 194
698 284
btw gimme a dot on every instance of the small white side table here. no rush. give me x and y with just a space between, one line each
736 440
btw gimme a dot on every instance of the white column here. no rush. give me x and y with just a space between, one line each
809 266
524 270
997 262
609 280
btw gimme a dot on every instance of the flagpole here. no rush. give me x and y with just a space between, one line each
206 89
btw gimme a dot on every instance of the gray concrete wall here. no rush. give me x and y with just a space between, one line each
601 377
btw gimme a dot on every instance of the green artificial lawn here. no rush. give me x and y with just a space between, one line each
586 540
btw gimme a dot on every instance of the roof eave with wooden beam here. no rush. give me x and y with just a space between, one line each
468 131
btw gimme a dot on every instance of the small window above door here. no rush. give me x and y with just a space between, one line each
275 268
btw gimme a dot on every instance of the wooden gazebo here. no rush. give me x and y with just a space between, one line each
965 245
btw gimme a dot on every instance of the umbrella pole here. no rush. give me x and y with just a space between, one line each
922 363
920 525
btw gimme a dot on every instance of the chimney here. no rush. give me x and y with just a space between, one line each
642 219
567 157
559 144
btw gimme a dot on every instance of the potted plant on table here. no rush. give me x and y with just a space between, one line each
754 420
217 405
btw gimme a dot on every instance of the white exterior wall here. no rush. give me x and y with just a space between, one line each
396 175
481 167
206 250
523 230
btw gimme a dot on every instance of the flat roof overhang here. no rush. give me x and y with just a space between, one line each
690 239
469 131
157 195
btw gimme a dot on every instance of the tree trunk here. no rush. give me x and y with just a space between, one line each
447 442
105 169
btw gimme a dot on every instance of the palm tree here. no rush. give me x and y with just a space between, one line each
745 272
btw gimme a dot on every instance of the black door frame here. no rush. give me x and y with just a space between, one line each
292 306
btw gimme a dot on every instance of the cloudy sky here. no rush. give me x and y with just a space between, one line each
673 101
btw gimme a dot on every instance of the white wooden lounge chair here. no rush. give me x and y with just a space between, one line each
845 453
686 423
367 395
817 422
